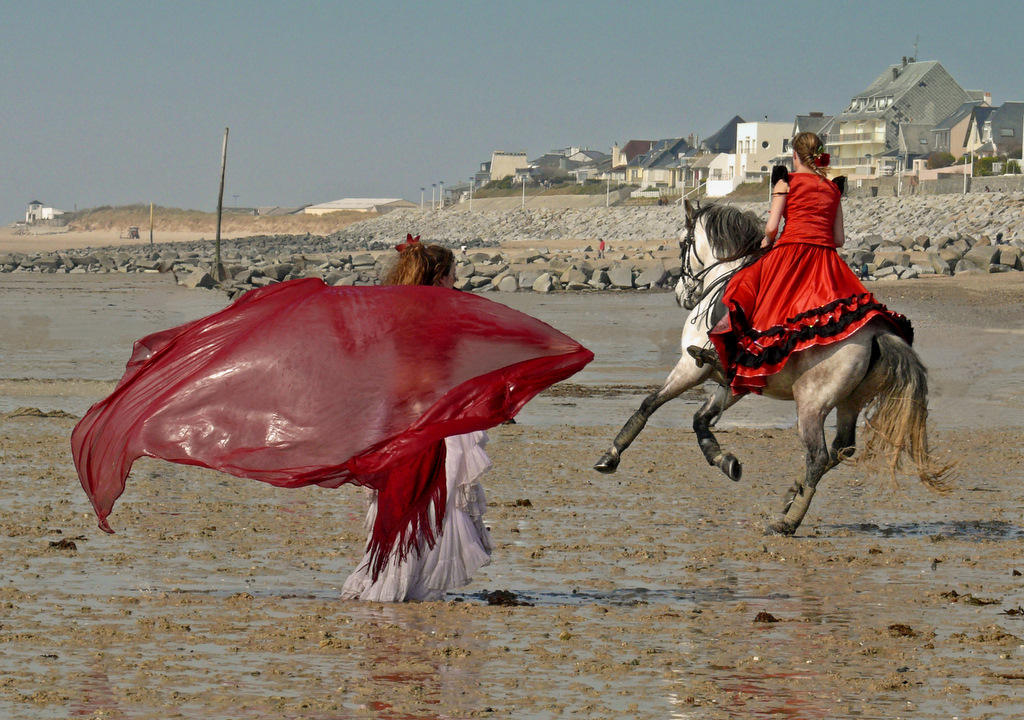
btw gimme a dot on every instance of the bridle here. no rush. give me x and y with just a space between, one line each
693 280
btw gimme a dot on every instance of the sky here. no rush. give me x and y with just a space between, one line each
120 102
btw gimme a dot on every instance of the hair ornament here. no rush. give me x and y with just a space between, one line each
409 240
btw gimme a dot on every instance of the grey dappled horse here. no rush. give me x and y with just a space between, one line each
873 368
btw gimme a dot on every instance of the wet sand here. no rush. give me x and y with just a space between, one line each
654 592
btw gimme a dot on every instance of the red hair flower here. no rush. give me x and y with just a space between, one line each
409 240
822 159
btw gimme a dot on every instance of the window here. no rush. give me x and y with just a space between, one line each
764 144
924 141
1005 132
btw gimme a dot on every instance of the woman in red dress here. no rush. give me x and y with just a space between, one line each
800 293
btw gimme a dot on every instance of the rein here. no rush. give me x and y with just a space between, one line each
749 254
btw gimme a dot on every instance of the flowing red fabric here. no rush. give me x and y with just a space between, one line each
299 383
798 295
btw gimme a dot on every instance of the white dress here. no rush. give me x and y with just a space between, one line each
463 547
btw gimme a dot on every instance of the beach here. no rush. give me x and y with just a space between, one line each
650 593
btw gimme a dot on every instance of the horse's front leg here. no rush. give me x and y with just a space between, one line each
684 376
717 404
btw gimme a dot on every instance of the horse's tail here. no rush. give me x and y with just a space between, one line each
897 417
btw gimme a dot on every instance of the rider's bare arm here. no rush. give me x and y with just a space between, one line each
838 231
779 194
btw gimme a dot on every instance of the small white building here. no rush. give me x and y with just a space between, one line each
719 174
365 205
37 213
757 144
506 164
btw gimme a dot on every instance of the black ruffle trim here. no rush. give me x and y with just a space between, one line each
777 353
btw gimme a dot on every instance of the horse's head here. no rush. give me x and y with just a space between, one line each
690 287
713 236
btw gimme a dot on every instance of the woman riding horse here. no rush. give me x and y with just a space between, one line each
792 323
801 293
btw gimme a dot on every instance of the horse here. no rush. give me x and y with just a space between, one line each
873 368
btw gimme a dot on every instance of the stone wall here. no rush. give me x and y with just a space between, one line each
887 237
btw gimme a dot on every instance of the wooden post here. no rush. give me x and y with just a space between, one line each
151 224
220 208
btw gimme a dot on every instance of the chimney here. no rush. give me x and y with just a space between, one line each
904 61
816 114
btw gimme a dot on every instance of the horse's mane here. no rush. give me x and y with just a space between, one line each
731 233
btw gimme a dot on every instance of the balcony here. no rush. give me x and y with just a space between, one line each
862 161
860 137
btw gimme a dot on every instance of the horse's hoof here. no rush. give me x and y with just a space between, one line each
780 527
607 464
732 468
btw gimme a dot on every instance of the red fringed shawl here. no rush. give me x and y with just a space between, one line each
299 383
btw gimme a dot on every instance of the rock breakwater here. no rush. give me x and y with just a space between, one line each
550 250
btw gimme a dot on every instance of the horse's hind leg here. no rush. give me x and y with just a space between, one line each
844 444
843 447
798 499
717 404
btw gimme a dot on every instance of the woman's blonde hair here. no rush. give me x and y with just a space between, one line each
421 264
810 148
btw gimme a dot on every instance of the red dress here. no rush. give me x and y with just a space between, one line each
798 295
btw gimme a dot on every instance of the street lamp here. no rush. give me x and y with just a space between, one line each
433 188
441 195
523 206
421 198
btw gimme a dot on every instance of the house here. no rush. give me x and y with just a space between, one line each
483 175
914 142
951 134
866 134
507 164
717 171
597 169
553 166
1001 131
724 139
757 145
37 213
664 165
816 122
365 205
622 157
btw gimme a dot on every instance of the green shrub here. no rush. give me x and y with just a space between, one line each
940 160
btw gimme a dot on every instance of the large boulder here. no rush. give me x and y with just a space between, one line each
508 284
199 278
981 256
652 277
544 283
620 276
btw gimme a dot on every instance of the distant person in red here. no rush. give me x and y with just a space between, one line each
600 248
